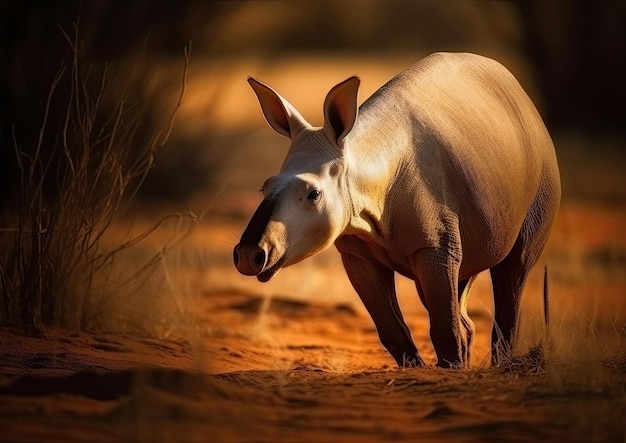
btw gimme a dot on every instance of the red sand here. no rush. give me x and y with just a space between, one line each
251 364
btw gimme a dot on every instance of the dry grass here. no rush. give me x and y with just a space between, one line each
54 255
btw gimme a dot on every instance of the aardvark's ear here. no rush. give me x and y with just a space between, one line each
340 109
281 115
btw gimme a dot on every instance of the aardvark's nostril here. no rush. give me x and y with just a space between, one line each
249 260
259 258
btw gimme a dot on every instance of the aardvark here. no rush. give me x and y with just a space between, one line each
445 171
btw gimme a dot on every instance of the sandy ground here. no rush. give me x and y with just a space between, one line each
298 359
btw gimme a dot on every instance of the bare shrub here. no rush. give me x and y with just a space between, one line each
54 255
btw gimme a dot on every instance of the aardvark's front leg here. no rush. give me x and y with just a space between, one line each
375 285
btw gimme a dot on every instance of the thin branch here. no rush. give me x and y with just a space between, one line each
183 90
55 83
165 138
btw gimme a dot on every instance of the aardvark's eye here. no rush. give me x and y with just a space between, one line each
314 195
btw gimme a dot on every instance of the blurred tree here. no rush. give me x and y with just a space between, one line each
33 50
578 53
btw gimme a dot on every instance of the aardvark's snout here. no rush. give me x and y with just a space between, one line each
249 260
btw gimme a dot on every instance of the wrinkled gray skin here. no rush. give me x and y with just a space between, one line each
446 171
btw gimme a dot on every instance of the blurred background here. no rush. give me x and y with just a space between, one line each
569 56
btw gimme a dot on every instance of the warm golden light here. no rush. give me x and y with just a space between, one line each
168 342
